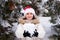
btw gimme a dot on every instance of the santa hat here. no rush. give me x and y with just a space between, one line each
29 9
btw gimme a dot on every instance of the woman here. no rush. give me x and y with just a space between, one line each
29 25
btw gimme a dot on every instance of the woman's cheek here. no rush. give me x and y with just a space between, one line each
27 16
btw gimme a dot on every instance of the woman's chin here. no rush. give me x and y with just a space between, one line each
29 19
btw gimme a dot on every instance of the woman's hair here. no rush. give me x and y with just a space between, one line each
32 18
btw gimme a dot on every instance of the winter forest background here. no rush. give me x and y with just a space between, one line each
47 10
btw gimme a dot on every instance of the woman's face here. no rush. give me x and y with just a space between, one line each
29 16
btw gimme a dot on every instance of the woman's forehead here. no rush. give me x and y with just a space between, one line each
29 13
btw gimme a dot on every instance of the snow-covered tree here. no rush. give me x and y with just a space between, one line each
10 11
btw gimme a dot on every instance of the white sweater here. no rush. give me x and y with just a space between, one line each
31 28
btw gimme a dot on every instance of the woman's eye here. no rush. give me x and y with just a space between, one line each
31 13
27 13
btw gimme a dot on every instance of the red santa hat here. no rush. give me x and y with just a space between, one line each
29 9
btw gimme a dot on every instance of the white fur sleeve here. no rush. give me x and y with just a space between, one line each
19 31
41 31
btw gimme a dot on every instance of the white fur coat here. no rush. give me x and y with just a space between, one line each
29 27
